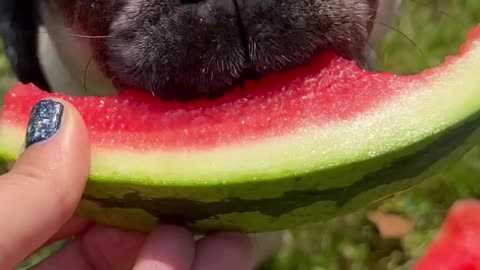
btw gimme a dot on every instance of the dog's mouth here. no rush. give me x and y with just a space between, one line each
185 93
192 50
199 83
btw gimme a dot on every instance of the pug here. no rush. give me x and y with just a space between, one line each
183 49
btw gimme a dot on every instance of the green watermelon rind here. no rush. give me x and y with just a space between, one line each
306 176
292 208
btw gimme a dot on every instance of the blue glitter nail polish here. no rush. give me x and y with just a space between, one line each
45 121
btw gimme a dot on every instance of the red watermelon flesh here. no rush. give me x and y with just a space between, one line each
328 90
293 148
457 246
331 89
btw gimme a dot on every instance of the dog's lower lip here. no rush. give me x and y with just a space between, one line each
240 84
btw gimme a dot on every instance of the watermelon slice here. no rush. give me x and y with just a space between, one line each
293 148
457 246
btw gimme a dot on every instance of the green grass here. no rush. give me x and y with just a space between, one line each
6 78
434 28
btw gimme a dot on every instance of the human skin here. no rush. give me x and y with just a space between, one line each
38 198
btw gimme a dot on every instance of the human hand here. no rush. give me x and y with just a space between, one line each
40 194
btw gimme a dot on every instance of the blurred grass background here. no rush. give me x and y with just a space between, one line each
436 27
6 77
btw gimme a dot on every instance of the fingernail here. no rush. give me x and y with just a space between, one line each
45 121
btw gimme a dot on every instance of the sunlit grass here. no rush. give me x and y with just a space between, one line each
6 78
436 27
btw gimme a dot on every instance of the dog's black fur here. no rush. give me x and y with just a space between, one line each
184 49
19 29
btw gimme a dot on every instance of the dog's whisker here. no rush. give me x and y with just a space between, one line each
409 39
89 36
434 8
372 47
153 93
48 32
85 74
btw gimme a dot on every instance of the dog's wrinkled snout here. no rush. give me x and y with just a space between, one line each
197 49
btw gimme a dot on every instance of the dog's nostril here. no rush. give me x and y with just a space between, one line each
190 2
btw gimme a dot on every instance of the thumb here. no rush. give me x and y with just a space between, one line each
41 192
